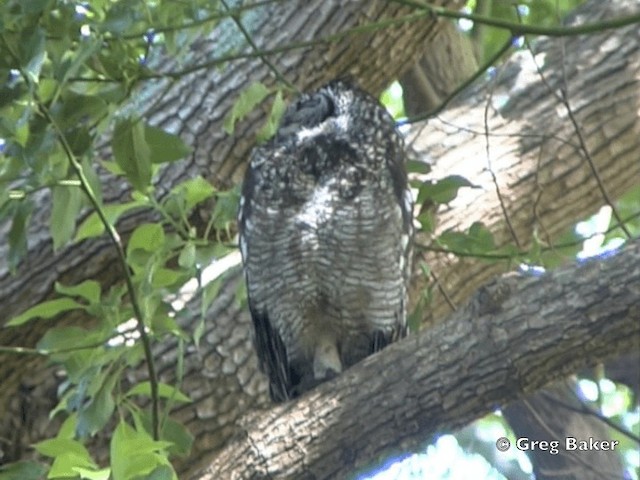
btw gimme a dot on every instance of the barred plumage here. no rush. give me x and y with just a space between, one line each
325 234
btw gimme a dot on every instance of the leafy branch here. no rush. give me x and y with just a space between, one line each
519 29
116 241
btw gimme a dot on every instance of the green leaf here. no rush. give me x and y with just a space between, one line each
187 257
270 127
93 417
427 222
132 153
417 166
134 453
163 472
443 190
100 474
194 191
24 470
66 463
17 233
478 240
55 447
92 226
47 309
164 277
162 323
210 292
148 237
68 427
77 109
171 431
164 391
62 338
85 50
32 52
245 104
226 208
456 241
482 238
89 290
46 89
67 201
165 147
93 179
179 435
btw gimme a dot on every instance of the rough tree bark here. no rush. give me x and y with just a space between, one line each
514 337
547 183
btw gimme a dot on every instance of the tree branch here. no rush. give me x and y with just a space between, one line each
514 337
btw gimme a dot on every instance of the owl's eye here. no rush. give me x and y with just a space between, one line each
308 111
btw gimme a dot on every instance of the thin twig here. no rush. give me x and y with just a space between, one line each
425 11
586 409
479 72
564 100
592 165
557 434
236 19
518 29
444 293
494 178
117 243
521 253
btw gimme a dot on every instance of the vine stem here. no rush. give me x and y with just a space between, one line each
114 236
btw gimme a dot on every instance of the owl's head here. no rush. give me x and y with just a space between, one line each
338 108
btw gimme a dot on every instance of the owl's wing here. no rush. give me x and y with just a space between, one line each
272 355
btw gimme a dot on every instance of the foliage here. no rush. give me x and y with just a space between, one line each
546 13
71 69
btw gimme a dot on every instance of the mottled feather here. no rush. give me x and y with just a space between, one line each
325 234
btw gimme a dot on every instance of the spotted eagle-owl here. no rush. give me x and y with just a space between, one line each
325 235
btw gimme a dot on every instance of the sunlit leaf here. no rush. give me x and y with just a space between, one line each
245 104
164 391
443 190
187 257
194 191
67 201
89 290
134 452
148 237
92 226
58 446
47 309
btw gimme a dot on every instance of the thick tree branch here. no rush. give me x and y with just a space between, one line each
514 337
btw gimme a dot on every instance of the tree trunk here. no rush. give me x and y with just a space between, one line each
548 416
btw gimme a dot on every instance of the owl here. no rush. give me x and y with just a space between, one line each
325 230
